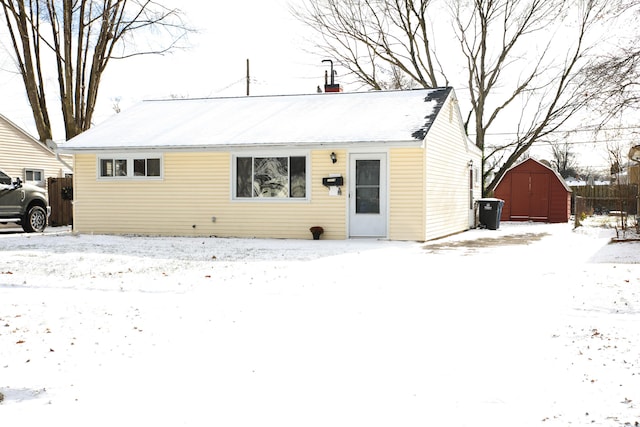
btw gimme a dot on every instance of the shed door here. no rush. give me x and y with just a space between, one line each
520 196
368 195
529 196
539 207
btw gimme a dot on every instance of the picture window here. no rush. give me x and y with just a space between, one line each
281 177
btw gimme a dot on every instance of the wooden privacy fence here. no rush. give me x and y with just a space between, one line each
602 199
60 199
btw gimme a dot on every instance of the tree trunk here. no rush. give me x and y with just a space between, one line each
83 37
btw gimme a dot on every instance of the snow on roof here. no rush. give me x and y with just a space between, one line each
317 119
582 183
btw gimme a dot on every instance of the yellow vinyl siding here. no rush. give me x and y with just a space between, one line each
329 212
196 187
447 176
19 151
406 194
426 194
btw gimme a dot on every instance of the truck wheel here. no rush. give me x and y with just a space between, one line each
35 220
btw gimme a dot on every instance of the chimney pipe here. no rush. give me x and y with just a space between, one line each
330 87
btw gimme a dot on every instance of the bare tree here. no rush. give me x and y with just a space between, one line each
617 70
375 39
549 88
76 39
563 159
618 74
522 63
616 153
396 79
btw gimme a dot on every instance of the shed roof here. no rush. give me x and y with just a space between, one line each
530 160
386 117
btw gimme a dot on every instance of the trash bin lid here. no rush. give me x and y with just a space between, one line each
490 199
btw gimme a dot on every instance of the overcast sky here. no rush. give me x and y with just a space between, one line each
229 33
262 31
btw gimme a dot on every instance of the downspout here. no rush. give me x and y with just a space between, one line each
64 162
54 147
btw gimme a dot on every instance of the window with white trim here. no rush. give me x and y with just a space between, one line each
132 166
34 176
270 177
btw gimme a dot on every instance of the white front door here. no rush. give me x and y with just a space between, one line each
368 195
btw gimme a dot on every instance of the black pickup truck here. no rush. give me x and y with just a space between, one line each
24 204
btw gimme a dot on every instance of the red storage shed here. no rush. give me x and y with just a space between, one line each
533 191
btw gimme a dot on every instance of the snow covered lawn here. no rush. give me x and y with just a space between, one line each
528 325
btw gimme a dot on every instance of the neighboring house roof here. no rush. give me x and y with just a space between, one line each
573 182
386 117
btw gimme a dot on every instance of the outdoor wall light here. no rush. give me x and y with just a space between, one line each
470 164
334 158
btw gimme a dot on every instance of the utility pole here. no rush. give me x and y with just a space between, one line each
248 77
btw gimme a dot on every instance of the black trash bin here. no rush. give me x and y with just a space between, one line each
490 210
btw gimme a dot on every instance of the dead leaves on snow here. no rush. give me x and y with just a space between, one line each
605 359
21 330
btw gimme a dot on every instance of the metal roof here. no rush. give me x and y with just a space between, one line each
377 117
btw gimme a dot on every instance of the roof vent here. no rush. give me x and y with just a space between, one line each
330 87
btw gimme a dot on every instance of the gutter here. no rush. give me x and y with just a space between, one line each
236 147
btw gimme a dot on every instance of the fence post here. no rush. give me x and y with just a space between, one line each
580 209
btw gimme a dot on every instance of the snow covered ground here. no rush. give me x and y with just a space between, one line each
528 325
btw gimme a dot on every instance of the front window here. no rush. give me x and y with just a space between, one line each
271 177
113 167
136 166
146 167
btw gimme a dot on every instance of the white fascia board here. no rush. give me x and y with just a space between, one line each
237 147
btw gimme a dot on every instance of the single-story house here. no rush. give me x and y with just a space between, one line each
22 156
532 191
385 164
